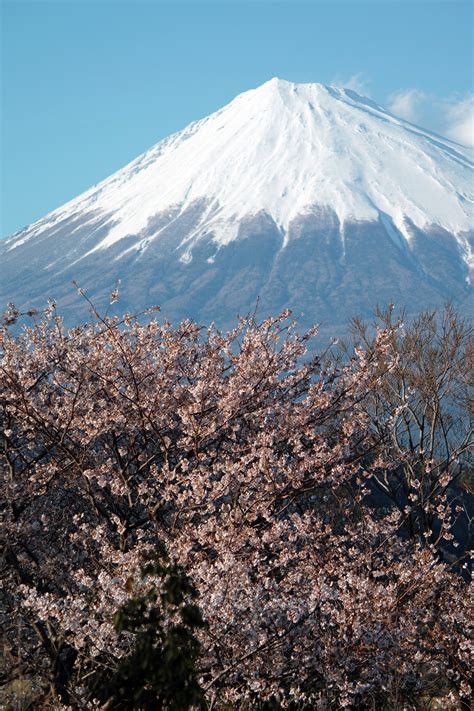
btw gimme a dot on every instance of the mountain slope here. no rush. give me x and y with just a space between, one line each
299 194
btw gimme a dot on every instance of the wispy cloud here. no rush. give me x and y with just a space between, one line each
408 104
460 121
451 116
358 82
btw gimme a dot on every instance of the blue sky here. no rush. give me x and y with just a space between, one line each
88 85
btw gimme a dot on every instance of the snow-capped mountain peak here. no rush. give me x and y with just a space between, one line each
304 196
281 149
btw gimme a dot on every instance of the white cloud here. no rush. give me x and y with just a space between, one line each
408 104
452 117
460 121
357 82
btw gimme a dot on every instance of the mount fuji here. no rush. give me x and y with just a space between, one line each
304 196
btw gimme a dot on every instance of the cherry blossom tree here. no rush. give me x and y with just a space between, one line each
429 441
250 459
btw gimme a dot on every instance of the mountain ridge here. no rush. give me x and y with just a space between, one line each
268 164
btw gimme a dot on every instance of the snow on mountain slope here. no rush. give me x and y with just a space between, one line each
299 195
282 149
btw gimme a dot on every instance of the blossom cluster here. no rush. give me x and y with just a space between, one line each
253 461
